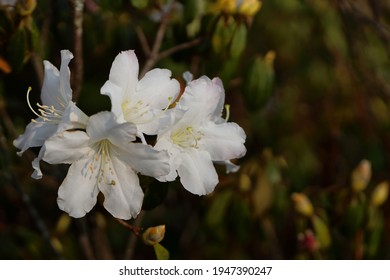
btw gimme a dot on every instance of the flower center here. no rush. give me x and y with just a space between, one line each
102 160
47 113
186 137
135 112
141 112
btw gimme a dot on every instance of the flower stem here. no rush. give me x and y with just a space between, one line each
134 228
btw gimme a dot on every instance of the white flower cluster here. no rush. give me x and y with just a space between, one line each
103 151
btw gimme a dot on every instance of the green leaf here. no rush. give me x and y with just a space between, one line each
218 208
193 9
34 36
241 225
355 214
238 41
161 252
193 27
17 49
259 81
140 4
375 232
229 69
223 34
322 231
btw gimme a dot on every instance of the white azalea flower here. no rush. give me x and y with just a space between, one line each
141 102
199 136
103 159
57 112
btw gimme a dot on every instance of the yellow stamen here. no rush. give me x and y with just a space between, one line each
106 169
127 111
45 112
186 138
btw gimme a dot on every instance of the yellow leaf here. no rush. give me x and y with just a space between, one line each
161 252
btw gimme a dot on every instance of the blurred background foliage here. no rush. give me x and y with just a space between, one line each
308 80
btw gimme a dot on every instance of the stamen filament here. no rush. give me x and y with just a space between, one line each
170 101
61 102
29 105
45 112
227 109
186 137
104 153
191 131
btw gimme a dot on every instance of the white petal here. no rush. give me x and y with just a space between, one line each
124 73
205 94
197 172
218 86
123 195
66 91
157 88
223 141
35 135
104 125
191 117
66 147
163 144
230 167
188 76
78 192
144 159
116 95
174 162
56 89
51 85
155 121
159 121
37 174
73 118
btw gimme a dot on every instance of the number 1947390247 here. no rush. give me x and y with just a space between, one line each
242 270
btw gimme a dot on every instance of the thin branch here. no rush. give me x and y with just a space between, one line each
99 238
78 7
132 243
382 29
142 38
153 56
134 228
84 239
179 47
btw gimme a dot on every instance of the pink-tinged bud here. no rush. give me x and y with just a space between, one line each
308 241
153 235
